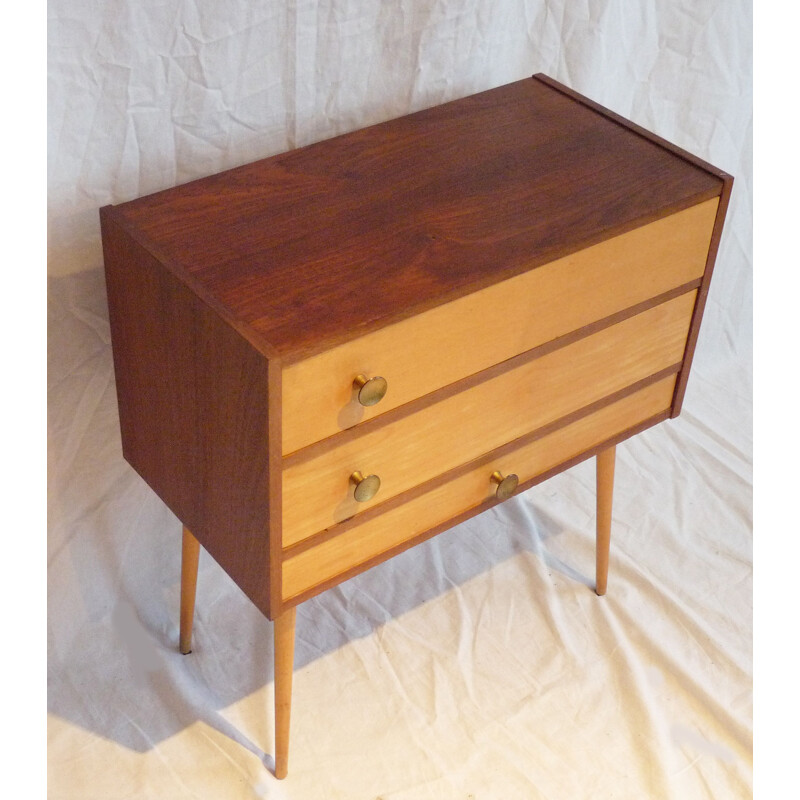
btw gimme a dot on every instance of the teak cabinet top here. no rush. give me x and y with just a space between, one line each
305 250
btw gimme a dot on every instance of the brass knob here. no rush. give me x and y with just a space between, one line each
505 486
370 390
366 486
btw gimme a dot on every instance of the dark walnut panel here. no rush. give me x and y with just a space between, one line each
313 247
194 400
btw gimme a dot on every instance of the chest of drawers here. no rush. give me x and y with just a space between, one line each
327 356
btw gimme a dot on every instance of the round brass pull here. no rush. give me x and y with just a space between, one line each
366 486
505 486
370 390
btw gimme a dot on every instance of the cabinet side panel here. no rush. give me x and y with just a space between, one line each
702 294
193 405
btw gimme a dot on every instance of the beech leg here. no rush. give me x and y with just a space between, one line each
190 557
283 632
605 491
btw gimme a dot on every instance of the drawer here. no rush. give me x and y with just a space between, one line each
439 437
499 322
367 542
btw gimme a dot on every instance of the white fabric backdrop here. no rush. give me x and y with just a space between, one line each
479 665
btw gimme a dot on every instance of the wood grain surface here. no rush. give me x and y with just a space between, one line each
470 334
323 244
193 400
363 544
317 493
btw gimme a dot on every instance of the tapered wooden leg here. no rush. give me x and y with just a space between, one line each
189 561
605 491
283 632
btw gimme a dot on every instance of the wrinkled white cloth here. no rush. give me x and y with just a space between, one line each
479 664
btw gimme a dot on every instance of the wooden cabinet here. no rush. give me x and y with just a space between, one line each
516 279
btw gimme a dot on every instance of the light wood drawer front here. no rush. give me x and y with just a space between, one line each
380 534
317 493
426 352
